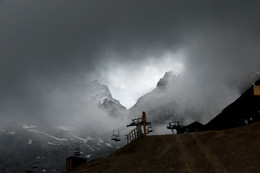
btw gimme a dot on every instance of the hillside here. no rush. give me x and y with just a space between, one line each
234 150
245 108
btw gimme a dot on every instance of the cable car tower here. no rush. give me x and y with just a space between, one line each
175 125
138 122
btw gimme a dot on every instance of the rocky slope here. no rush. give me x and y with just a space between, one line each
100 94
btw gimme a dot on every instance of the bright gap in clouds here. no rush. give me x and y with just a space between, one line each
128 82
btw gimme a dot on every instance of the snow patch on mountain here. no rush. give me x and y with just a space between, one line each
109 145
88 156
29 142
11 132
90 147
65 128
84 140
100 140
29 126
53 137
54 143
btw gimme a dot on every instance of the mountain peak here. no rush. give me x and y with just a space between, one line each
166 79
100 92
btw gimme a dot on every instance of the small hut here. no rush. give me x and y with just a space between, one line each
194 127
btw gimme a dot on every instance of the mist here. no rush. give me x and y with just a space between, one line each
49 51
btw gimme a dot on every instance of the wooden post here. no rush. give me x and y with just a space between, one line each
70 164
67 167
144 122
131 136
139 131
135 133
127 139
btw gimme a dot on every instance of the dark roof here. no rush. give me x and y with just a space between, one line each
76 158
196 124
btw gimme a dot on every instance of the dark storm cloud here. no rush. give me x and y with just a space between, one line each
45 45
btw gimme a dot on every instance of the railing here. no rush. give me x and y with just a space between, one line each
134 134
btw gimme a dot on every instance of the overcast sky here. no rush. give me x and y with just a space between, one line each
50 48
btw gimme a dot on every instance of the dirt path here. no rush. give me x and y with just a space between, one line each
216 165
176 153
188 162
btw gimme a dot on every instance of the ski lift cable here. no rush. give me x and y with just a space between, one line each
105 134
109 132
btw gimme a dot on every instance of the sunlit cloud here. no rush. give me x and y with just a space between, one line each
129 82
